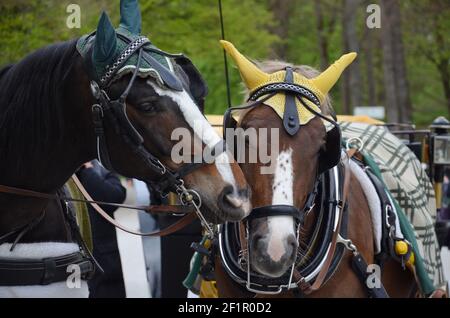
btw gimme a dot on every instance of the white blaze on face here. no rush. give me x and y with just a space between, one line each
202 129
280 227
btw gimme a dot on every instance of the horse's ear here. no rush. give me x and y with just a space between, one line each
197 85
130 16
105 41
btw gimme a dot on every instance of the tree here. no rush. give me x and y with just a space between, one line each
352 78
398 103
191 27
281 12
325 27
431 38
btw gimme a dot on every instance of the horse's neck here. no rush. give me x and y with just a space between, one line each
49 169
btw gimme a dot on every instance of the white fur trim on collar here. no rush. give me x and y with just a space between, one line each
37 250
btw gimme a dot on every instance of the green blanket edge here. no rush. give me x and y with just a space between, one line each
426 284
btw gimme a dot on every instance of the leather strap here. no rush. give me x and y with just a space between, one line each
291 122
243 240
275 210
178 225
324 271
172 209
163 209
359 266
102 151
23 272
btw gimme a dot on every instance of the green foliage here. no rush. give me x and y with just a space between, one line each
427 24
193 27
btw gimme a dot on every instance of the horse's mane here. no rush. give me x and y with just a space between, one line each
272 66
31 99
5 69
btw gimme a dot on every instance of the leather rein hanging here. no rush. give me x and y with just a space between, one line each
163 209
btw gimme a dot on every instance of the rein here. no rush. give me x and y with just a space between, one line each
163 209
171 209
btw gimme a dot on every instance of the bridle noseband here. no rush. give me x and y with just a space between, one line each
287 210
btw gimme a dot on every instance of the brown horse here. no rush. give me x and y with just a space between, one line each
111 95
272 239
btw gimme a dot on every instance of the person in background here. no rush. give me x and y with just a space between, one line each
151 245
443 225
104 185
444 214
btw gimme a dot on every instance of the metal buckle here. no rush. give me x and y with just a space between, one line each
162 167
387 210
95 89
263 292
309 209
348 244
355 143
188 197
242 258
100 108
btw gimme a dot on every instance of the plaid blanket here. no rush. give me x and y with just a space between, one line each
409 184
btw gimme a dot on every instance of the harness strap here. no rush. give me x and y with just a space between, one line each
22 230
324 271
22 272
244 241
183 222
172 209
276 210
291 122
99 130
359 266
163 209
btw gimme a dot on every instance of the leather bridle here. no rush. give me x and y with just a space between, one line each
291 124
114 111
167 180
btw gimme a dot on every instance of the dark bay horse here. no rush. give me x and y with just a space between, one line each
56 114
273 242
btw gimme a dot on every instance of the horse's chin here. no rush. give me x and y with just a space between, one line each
272 273
213 215
216 215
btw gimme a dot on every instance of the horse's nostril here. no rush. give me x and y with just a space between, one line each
256 241
234 200
245 193
234 206
292 246
292 241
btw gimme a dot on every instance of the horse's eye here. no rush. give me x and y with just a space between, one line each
147 107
